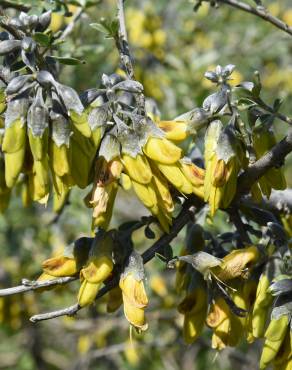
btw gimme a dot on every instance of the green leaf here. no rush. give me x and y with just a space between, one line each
67 61
107 26
245 103
99 27
42 38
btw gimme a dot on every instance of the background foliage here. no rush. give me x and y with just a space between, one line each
173 47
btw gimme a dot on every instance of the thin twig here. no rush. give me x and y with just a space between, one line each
260 12
274 158
122 42
240 226
34 285
71 25
186 214
68 311
269 109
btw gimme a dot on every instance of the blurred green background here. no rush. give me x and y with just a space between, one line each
172 47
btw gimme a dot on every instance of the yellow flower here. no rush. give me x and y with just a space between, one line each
226 326
87 293
194 308
98 268
60 266
196 176
115 299
158 285
222 161
162 150
135 300
287 17
134 295
262 304
263 140
283 359
174 130
275 335
103 194
236 263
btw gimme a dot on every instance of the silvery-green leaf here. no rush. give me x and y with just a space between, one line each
105 80
134 138
130 142
246 85
44 21
126 100
28 59
45 78
280 311
88 96
16 108
227 70
196 119
27 88
122 127
99 100
218 70
109 147
215 102
8 46
277 232
152 108
145 128
17 83
70 98
115 78
15 22
38 116
281 286
56 105
226 145
61 130
28 44
28 21
134 265
212 76
249 88
200 261
98 117
130 86
7 74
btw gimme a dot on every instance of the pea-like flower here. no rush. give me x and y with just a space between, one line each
98 268
194 308
134 295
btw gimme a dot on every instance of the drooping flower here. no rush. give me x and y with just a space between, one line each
134 295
